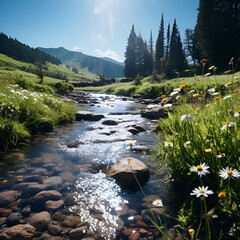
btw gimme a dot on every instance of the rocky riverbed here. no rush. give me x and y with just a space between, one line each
56 188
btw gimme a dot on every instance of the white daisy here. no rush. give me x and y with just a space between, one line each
228 173
168 144
237 114
201 191
201 169
186 117
227 125
158 203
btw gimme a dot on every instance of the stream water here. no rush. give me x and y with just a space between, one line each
77 153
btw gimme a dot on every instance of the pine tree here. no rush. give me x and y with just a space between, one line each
167 43
176 61
159 52
218 31
130 69
151 54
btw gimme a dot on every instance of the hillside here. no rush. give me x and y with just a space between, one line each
22 52
102 66
10 67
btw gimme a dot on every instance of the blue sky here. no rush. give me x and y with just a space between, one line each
95 27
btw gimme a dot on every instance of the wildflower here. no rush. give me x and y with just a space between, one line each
186 117
191 231
182 86
227 125
222 195
201 169
212 67
221 155
211 90
201 192
217 98
228 173
187 143
164 100
226 97
237 114
168 144
174 93
215 93
207 74
158 203
195 95
192 91
208 150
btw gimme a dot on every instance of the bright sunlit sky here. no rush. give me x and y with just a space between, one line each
94 27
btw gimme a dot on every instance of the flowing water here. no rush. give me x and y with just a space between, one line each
78 153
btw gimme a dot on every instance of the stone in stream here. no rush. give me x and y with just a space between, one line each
40 220
53 181
110 123
127 170
44 196
154 112
88 116
18 232
14 218
53 205
7 197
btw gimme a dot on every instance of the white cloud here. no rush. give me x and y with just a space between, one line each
108 53
77 49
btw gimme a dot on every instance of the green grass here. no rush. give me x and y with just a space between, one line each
151 89
204 133
24 112
10 68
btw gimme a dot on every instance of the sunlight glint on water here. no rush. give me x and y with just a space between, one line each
97 199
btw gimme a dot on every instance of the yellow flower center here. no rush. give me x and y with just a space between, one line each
201 191
191 231
222 195
199 168
229 172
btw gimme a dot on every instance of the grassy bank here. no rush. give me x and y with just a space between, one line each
202 154
25 112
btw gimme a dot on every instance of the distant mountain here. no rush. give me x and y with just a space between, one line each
103 66
22 52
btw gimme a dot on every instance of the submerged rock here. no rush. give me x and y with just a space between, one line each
129 172
154 112
88 116
18 232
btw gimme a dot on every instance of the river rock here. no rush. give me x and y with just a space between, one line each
110 123
54 228
88 116
154 112
4 212
53 205
40 220
78 233
33 189
44 196
53 181
71 221
18 232
127 170
14 218
8 196
132 130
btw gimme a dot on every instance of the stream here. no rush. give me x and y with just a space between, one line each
72 160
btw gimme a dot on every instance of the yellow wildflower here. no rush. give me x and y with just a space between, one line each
222 195
164 100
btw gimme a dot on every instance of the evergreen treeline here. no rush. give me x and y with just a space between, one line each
19 51
216 38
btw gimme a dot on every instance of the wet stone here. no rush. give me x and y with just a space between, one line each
22 186
54 181
58 216
33 189
17 232
14 218
54 228
71 221
78 233
8 196
134 236
53 205
44 196
4 212
40 220
3 220
33 178
26 211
